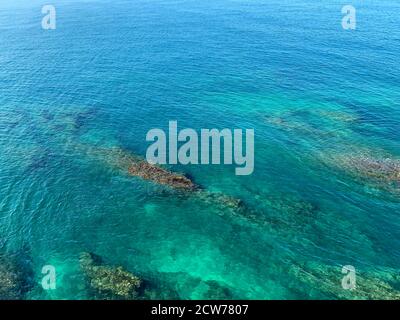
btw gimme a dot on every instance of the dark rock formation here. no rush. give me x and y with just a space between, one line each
156 174
377 285
108 282
384 169
379 170
16 276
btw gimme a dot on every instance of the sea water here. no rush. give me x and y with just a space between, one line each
315 94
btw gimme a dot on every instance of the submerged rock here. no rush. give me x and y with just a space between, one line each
226 205
279 211
220 199
381 171
9 281
153 173
109 282
289 212
232 207
327 279
16 277
137 166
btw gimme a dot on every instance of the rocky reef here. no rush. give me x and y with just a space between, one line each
114 283
380 169
137 166
220 199
9 281
231 207
108 282
316 123
298 212
381 285
375 168
16 277
156 174
289 212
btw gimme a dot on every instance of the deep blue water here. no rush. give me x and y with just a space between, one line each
324 103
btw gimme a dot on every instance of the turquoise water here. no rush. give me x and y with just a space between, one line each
318 97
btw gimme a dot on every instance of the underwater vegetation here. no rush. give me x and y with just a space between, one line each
10 280
298 212
221 200
153 173
296 209
287 216
108 282
363 164
317 123
115 283
128 163
377 285
135 165
183 187
367 166
385 170
16 276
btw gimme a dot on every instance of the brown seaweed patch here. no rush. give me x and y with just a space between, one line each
9 281
233 208
382 171
220 199
15 277
327 279
137 166
109 282
279 211
227 204
151 172
290 211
